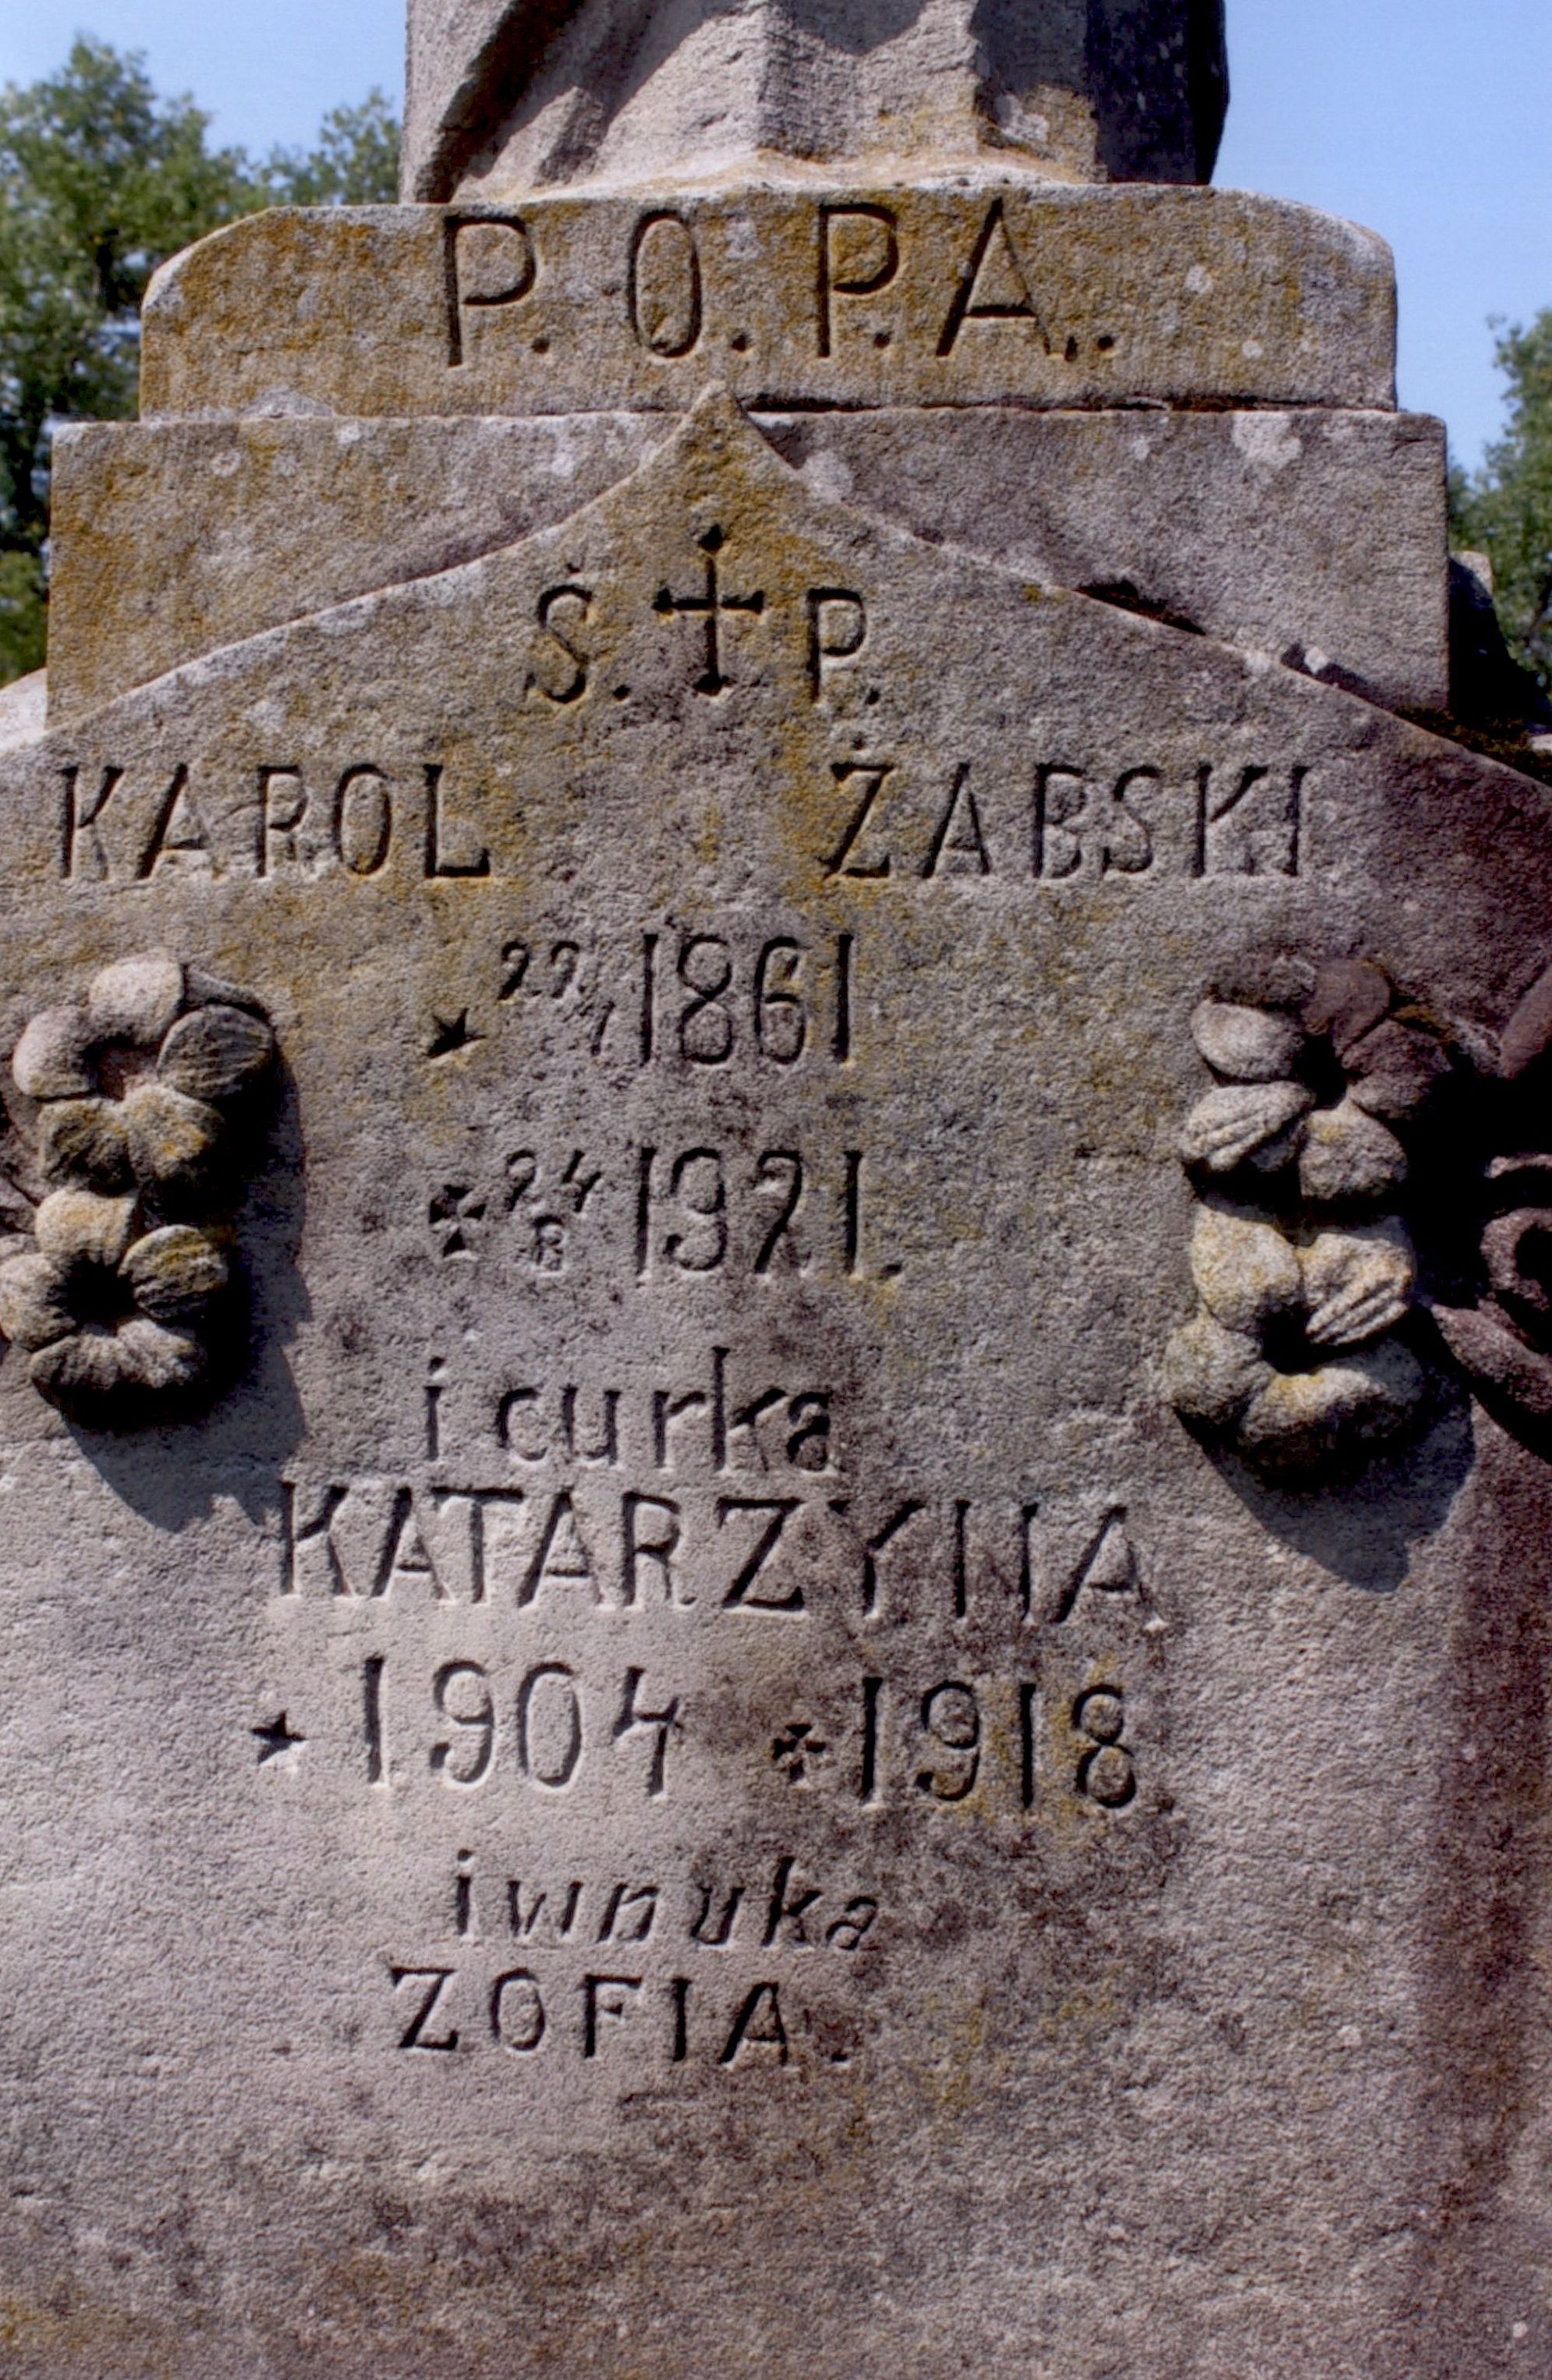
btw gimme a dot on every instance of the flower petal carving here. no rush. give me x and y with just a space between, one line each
1357 1282
1349 1157
50 1061
1392 1070
203 988
1244 1120
1293 1357
34 1308
1297 1399
1211 1373
86 1367
1306 1421
171 1139
1246 1044
78 1227
215 1052
1493 1356
1528 1034
175 1273
136 999
104 1371
120 1295
1245 1271
1504 1245
84 1140
160 1359
1350 998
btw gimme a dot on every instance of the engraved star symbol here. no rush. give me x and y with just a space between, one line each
452 1034
277 1739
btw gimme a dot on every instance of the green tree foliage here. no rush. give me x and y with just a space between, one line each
1505 509
99 180
355 163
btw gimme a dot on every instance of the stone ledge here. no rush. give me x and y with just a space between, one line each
1317 537
172 537
961 292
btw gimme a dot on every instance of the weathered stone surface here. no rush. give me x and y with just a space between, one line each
971 292
23 709
1024 1886
504 97
776 1447
170 539
1315 537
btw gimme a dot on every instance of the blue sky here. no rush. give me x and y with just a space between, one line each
1430 120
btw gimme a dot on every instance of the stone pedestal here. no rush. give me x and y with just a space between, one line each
504 97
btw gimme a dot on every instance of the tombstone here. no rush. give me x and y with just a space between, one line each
779 1382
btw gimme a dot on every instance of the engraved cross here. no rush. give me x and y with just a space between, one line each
709 609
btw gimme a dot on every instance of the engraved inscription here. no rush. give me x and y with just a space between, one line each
994 286
663 287
697 1503
356 823
1063 823
695 998
489 262
859 256
705 1210
629 1504
542 1727
743 1944
1027 819
710 607
612 2017
539 1730
695 1212
882 285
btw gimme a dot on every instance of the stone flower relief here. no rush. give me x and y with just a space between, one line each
1304 1266
1313 1336
1503 1340
129 1114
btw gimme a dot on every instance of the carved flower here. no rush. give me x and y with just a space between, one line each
1314 1096
1504 1343
105 1315
132 1081
1289 1356
127 1092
